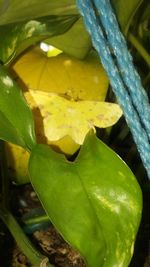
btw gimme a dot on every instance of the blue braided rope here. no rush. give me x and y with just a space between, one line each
125 62
101 45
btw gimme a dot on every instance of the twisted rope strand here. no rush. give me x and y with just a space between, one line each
125 61
101 45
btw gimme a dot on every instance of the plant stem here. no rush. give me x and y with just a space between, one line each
142 51
24 243
36 258
36 220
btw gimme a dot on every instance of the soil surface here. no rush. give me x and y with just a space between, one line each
44 236
53 246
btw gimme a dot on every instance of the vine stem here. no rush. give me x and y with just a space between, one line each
34 256
24 243
36 220
142 51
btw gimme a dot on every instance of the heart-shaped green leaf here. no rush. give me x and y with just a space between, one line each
16 121
94 202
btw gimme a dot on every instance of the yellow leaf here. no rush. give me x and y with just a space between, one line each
63 75
62 117
17 162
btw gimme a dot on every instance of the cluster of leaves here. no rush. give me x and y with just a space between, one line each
89 199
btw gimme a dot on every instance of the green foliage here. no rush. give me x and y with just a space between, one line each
94 202
13 11
71 42
16 118
125 11
142 28
28 22
19 36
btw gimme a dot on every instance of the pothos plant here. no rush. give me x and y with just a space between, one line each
94 201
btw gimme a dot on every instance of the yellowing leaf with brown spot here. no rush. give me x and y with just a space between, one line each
62 117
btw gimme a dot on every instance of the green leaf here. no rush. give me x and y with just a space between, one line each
75 42
15 116
12 11
94 202
8 132
17 37
125 10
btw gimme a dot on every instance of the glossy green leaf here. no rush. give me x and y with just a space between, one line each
12 11
8 132
94 202
17 37
125 10
16 121
75 42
